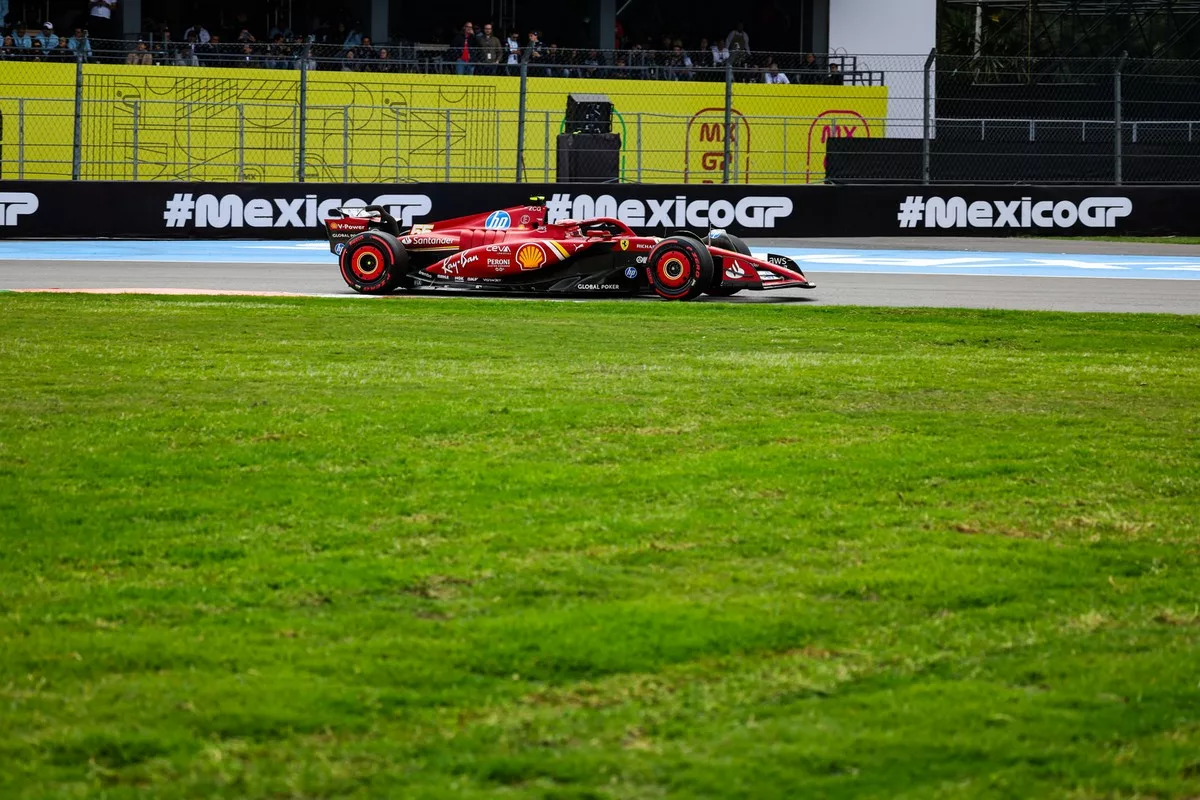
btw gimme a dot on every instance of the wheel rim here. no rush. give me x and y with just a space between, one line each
367 263
674 271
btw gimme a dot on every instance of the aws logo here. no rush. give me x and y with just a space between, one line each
531 256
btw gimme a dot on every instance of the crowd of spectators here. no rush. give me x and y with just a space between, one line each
43 44
473 50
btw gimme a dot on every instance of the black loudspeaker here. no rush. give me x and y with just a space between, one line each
589 158
588 113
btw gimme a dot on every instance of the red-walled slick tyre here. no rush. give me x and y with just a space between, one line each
374 262
680 267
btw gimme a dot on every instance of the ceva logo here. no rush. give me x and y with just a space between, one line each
16 204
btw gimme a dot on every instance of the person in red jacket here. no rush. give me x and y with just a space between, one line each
462 49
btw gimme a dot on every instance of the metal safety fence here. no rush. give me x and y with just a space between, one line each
1039 121
312 115
142 114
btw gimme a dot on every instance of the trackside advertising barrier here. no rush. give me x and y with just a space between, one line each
37 209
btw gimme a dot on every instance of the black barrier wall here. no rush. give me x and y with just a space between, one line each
294 211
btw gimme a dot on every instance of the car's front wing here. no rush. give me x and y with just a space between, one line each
749 272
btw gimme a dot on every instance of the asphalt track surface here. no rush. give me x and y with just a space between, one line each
887 277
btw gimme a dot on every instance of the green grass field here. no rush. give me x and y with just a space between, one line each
276 548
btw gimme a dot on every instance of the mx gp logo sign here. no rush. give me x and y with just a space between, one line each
16 204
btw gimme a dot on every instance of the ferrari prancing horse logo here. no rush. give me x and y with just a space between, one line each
624 244
530 257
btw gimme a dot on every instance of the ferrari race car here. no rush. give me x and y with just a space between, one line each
516 250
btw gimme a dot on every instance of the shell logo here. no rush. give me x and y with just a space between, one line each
530 257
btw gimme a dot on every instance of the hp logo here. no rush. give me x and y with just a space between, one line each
498 219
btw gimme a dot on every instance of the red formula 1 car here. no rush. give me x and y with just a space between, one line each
516 250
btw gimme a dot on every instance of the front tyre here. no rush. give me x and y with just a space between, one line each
725 241
374 262
680 267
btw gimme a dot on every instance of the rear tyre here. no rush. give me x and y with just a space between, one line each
725 241
374 262
681 268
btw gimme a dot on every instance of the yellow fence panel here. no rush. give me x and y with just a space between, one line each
37 120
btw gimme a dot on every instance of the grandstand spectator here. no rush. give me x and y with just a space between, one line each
208 53
246 37
8 50
513 44
679 64
186 57
737 43
738 39
637 62
557 62
200 32
809 69
490 50
164 48
80 43
835 77
140 55
464 50
591 65
620 70
21 38
535 53
349 61
349 37
773 75
247 57
3 12
34 53
277 54
365 55
100 17
63 52
47 38
383 61
306 58
719 54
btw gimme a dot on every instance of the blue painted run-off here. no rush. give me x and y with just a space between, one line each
814 261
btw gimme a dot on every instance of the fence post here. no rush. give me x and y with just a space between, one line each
521 120
447 145
21 139
189 140
242 144
346 143
77 139
639 146
728 117
546 152
137 121
1118 144
303 122
926 121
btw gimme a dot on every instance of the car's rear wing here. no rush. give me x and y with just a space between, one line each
345 223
